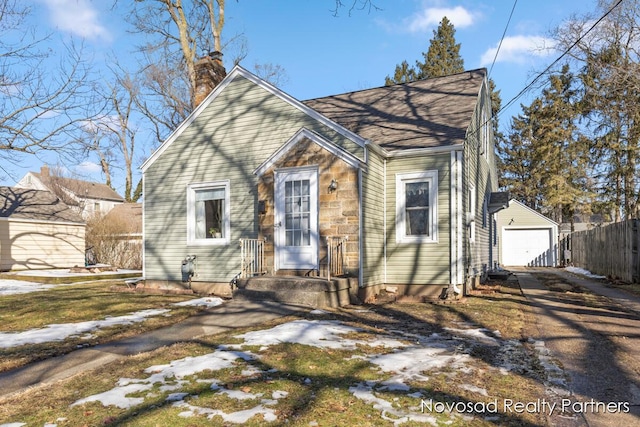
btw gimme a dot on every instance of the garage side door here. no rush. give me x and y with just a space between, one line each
527 247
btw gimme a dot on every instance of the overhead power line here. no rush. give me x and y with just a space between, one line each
578 40
503 35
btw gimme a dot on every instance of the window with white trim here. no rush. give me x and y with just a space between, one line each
472 214
417 207
208 213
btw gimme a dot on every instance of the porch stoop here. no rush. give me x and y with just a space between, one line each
308 291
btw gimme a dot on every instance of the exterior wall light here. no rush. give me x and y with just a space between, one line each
333 186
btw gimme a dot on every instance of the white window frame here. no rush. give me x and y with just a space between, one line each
401 180
191 213
486 123
472 214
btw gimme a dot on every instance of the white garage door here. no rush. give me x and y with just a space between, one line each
530 246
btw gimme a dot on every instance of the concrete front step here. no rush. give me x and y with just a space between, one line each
309 291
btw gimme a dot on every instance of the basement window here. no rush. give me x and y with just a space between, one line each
208 213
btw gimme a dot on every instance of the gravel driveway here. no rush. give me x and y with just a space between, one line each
596 339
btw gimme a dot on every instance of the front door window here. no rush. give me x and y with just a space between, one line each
296 218
297 213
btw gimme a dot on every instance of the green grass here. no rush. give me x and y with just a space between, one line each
79 303
316 380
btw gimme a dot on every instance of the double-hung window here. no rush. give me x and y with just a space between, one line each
208 213
416 207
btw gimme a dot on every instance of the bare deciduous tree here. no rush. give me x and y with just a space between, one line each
604 47
177 33
353 5
40 105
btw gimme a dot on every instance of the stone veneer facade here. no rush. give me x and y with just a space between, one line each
338 211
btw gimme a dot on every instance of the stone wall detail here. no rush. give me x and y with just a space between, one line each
338 210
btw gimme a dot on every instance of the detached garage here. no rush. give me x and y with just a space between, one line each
37 230
526 237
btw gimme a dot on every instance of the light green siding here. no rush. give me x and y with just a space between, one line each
373 207
480 180
228 140
424 263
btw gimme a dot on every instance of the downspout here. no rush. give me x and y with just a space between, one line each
456 215
144 237
384 218
360 228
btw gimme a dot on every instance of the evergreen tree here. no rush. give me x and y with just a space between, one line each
546 159
608 61
610 102
517 166
443 57
404 74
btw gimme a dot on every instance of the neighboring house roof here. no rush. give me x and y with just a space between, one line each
130 214
427 113
82 189
38 205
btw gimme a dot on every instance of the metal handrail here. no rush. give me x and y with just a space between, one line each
335 255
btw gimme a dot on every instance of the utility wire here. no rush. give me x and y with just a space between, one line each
502 38
523 91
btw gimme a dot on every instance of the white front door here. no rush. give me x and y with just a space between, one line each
296 218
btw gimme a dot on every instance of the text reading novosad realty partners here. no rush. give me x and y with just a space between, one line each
516 407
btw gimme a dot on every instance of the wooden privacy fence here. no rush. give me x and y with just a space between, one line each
609 251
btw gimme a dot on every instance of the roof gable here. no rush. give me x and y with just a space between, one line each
312 136
237 72
527 209
28 204
427 113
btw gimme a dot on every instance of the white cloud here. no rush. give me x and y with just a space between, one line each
77 17
431 17
519 50
88 167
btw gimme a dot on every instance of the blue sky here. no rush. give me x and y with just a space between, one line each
324 55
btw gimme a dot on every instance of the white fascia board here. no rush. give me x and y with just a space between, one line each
412 152
239 71
532 210
347 157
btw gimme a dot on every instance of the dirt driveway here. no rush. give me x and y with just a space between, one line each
595 339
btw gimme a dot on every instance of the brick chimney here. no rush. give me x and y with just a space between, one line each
209 73
44 171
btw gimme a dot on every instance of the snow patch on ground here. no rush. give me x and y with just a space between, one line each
12 287
583 272
59 332
408 363
208 302
170 377
315 333
556 381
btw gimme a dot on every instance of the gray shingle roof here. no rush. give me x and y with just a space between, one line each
81 188
426 113
38 205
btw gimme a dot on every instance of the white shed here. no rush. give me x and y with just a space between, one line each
526 237
37 230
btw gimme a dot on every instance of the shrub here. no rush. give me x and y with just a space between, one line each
112 241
